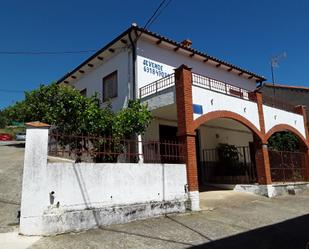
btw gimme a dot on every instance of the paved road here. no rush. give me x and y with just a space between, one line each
11 162
228 220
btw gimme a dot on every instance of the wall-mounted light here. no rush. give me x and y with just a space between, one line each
275 117
212 101
245 109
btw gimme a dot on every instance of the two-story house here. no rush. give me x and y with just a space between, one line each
201 100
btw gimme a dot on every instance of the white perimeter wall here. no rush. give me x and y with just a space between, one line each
222 102
93 80
56 188
274 116
169 60
82 185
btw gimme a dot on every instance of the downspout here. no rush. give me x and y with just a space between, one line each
139 137
133 65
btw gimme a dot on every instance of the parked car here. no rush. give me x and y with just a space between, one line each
21 136
5 137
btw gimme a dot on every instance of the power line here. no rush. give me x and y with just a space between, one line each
11 91
46 52
154 13
159 13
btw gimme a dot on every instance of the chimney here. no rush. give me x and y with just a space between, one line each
186 43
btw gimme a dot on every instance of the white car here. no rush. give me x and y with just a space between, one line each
21 136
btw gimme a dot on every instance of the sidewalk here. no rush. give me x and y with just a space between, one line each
232 220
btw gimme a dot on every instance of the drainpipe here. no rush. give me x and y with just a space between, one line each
133 65
139 137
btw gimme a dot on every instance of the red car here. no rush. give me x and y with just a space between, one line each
5 137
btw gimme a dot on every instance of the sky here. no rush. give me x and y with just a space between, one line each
247 33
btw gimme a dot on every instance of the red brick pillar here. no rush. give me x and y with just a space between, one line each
300 109
186 132
262 163
261 156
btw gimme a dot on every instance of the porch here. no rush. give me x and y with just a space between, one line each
206 112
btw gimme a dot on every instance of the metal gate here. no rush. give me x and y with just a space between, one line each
241 171
287 166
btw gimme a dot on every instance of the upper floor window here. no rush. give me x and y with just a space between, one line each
110 86
83 92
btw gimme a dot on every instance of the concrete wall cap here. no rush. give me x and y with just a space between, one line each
37 124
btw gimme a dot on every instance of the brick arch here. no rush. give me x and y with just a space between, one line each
285 127
227 114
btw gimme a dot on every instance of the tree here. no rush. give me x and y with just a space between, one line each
283 141
73 114
3 120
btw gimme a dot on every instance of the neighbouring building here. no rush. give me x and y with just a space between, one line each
295 95
195 97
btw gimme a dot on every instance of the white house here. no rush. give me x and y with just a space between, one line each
200 99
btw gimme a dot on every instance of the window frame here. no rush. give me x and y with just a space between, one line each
105 98
83 92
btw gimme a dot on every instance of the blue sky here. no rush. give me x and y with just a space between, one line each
244 32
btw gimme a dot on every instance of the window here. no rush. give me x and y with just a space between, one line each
83 92
110 86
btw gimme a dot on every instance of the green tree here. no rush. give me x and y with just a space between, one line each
283 141
70 113
3 120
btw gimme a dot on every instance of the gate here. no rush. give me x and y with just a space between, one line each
287 166
240 171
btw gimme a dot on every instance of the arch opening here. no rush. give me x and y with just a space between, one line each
225 149
288 154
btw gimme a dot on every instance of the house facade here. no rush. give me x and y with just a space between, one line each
203 101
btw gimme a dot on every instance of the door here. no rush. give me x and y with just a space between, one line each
168 136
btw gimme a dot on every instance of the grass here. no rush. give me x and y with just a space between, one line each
12 130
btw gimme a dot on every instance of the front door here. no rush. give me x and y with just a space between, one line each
168 136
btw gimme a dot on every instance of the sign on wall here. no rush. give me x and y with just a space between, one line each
149 70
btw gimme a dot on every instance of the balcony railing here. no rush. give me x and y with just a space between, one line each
217 86
157 86
221 87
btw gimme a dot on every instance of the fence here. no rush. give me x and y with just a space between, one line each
221 87
286 166
107 149
242 170
157 86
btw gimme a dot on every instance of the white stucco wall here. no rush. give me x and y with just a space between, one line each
274 116
92 80
170 59
62 197
89 185
211 137
214 101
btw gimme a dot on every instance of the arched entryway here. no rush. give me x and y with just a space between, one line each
226 145
288 154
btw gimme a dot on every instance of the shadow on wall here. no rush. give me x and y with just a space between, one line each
290 234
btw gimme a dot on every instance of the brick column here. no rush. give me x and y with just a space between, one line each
300 109
186 133
262 163
261 156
